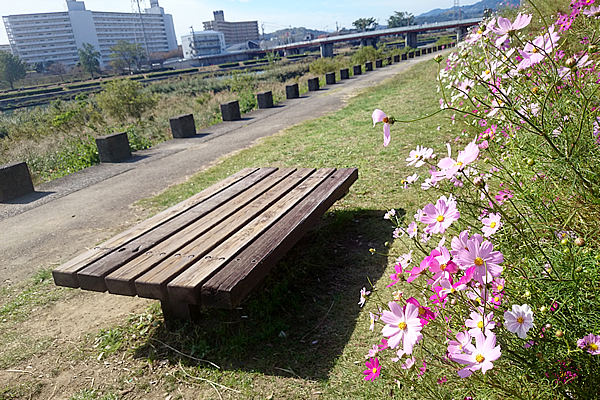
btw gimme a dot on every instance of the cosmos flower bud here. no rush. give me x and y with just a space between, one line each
570 63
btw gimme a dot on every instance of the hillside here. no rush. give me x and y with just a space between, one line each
472 11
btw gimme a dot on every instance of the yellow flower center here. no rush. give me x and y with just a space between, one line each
440 218
500 287
374 370
443 267
478 261
493 225
479 31
487 72
593 346
497 299
520 320
535 50
421 310
459 163
386 120
402 325
479 358
480 324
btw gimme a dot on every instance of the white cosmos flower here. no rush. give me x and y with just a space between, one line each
519 320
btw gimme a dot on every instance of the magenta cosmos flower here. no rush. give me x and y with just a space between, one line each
439 217
425 313
403 325
519 320
590 343
379 116
483 257
505 27
373 369
479 356
491 224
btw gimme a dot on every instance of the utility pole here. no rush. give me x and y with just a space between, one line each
143 29
262 27
457 6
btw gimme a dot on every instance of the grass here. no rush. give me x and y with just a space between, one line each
302 333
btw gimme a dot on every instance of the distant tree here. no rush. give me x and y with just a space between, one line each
38 67
161 56
12 68
124 55
365 24
89 59
57 68
124 98
401 18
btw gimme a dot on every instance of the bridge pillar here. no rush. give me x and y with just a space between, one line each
290 52
369 42
411 40
326 50
461 32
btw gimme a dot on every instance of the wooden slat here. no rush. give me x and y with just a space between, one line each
92 276
153 283
242 274
121 281
65 275
185 288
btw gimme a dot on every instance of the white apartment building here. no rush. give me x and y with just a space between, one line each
202 43
58 36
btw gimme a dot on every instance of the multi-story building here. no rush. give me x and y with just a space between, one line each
202 43
235 32
58 36
5 47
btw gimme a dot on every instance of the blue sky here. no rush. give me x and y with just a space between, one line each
275 14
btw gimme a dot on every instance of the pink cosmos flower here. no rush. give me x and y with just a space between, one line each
373 318
590 343
403 325
412 229
491 224
379 116
519 320
425 313
505 27
395 277
480 356
423 267
483 257
363 296
439 217
480 322
594 11
373 369
534 52
459 345
445 266
448 167
416 157
408 363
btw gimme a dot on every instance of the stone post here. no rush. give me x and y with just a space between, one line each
388 60
344 73
404 56
292 91
379 63
113 148
183 126
15 181
396 58
368 66
313 84
231 111
357 69
265 99
330 78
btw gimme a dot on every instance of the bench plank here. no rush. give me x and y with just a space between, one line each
92 276
185 288
65 275
122 280
153 284
242 274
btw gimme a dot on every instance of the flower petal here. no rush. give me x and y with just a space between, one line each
378 116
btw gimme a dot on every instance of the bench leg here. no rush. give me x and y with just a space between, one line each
173 311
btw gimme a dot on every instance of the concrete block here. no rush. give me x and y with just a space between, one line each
231 111
113 148
344 73
396 58
313 84
429 50
405 56
435 48
15 181
379 63
411 54
418 53
357 69
292 91
368 66
183 126
265 99
330 78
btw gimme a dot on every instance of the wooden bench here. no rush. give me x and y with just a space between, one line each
214 248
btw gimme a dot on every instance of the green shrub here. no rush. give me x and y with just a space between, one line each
124 98
367 53
229 65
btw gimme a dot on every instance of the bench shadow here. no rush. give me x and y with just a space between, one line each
298 322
